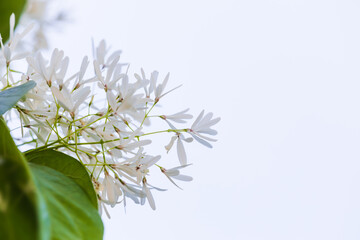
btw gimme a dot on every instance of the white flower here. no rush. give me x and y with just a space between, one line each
130 143
175 173
161 87
132 104
107 83
137 169
143 165
9 50
71 101
100 54
180 147
149 196
202 125
111 192
128 168
144 81
80 75
178 117
158 89
131 191
56 69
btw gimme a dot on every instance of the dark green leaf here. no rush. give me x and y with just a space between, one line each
40 203
72 214
68 166
9 97
7 7
20 215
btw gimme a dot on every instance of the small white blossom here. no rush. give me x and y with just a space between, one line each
178 117
100 54
180 147
129 144
111 192
9 50
175 173
149 195
108 82
149 85
202 125
161 87
55 70
71 101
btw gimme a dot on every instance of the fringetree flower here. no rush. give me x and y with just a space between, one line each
180 147
8 50
202 125
174 173
177 117
101 116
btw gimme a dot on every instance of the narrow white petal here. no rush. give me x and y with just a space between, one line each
169 91
170 124
150 197
111 100
172 181
106 211
171 143
179 167
152 161
63 69
63 101
153 79
111 196
12 25
7 53
82 94
98 72
197 119
137 144
183 178
181 152
180 116
205 137
159 189
84 65
172 172
203 142
208 131
188 140
207 124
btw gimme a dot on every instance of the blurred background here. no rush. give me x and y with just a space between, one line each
283 76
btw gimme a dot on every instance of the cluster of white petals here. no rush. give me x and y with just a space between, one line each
101 116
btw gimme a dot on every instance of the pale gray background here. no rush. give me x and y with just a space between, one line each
284 75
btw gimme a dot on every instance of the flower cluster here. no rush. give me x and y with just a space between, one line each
99 115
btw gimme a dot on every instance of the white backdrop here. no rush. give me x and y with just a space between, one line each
283 76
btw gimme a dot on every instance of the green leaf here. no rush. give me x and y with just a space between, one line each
72 214
7 7
68 166
40 203
9 97
20 214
